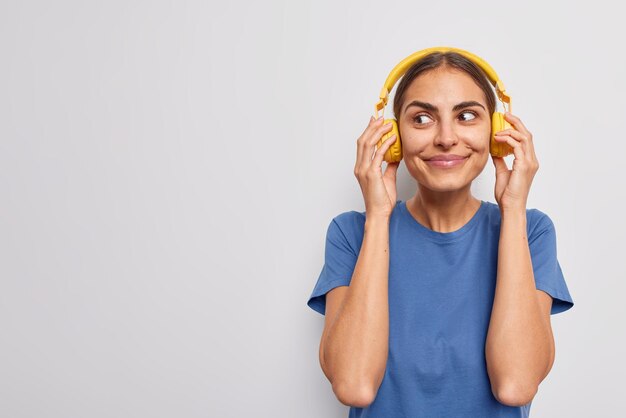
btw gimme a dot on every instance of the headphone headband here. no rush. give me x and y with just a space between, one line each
401 68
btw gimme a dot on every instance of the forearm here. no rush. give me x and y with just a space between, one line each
356 346
518 347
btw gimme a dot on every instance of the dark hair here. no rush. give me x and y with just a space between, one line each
443 60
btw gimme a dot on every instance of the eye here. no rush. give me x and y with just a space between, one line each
417 119
470 113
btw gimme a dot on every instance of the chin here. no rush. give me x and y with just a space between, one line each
445 186
444 181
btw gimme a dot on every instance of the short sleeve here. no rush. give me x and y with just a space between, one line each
340 257
546 267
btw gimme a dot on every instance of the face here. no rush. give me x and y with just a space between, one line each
444 112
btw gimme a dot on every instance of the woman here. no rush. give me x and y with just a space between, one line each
440 306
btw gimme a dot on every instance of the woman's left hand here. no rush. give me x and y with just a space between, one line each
512 186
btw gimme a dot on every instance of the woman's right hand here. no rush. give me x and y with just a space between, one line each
379 190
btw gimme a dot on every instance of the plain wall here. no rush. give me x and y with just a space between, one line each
168 170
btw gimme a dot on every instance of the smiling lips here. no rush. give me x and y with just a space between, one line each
446 160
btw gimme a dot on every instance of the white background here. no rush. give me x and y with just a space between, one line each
168 170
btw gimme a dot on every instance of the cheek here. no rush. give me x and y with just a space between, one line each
479 139
481 142
414 140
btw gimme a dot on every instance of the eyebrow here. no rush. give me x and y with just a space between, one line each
433 108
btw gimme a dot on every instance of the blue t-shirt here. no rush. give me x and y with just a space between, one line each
441 292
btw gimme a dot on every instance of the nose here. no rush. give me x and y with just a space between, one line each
446 137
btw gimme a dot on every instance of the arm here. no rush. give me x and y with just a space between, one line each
520 346
354 349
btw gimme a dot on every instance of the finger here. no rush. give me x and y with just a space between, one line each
373 125
391 170
380 153
377 136
378 133
518 151
363 141
526 154
372 141
500 164
517 135
527 144
517 123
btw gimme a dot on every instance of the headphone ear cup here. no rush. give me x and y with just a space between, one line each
498 123
394 152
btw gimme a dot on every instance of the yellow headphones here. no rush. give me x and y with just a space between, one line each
498 123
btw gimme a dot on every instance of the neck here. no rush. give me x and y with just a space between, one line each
443 211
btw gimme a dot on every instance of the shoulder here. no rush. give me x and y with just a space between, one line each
348 229
350 220
353 221
537 221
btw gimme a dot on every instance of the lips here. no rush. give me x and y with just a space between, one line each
446 161
447 157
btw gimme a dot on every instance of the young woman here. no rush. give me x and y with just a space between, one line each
439 306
